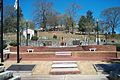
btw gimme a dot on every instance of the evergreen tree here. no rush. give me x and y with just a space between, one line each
86 23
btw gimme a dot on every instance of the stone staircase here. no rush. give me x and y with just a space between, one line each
7 75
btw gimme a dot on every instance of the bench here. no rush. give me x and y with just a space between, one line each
63 53
64 65
60 62
92 49
30 50
6 54
58 71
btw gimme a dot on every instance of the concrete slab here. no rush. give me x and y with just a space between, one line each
44 77
85 77
64 62
62 71
70 65
65 77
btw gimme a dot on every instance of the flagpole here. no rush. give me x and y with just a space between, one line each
1 32
18 59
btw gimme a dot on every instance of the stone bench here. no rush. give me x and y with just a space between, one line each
92 49
7 75
6 54
71 65
30 50
58 71
2 69
60 62
63 53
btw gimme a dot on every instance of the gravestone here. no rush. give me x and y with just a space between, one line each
76 42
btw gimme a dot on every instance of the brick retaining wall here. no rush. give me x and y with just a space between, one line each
76 55
103 52
96 54
55 49
118 54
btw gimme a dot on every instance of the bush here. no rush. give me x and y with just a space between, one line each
118 47
13 44
54 36
44 44
4 46
34 38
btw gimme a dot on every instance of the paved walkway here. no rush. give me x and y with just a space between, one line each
44 67
65 77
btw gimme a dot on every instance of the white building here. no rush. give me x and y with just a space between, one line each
28 33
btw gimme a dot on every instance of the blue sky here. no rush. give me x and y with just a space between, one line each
96 6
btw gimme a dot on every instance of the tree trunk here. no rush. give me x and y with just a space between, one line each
54 28
72 28
113 30
105 38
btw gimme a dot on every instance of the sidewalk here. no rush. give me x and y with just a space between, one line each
66 77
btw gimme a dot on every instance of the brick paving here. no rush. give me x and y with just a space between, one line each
53 57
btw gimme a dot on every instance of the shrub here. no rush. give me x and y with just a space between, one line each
118 47
54 36
44 44
34 38
4 46
13 43
112 41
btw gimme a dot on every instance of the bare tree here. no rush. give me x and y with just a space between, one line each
104 27
41 12
53 19
112 17
71 12
69 23
10 19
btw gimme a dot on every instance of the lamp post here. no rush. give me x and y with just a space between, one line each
97 32
26 33
18 55
17 26
1 32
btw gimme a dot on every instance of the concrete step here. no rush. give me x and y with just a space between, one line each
61 71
